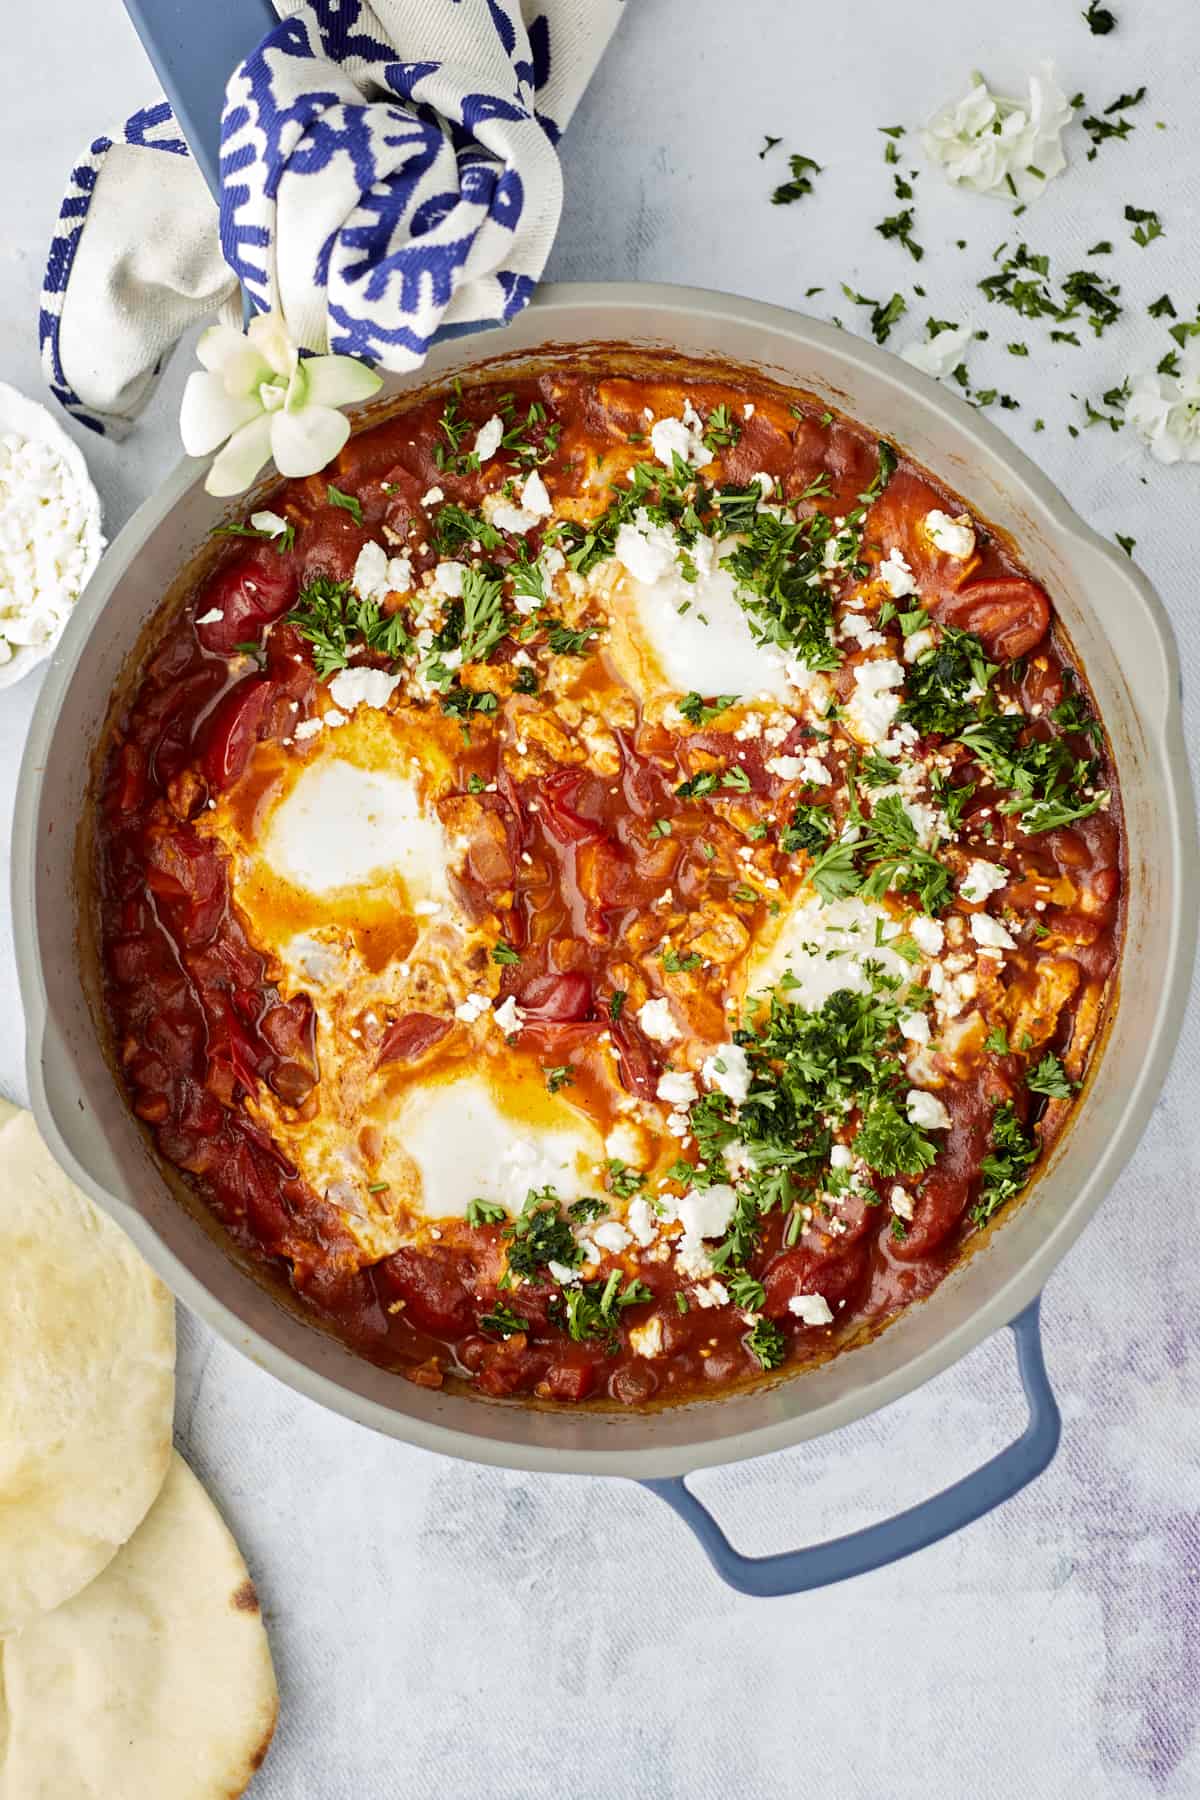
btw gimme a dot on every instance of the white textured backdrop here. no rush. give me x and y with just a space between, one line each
454 1633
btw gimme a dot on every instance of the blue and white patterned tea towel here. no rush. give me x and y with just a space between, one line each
386 169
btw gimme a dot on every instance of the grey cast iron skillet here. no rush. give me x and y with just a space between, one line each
1121 633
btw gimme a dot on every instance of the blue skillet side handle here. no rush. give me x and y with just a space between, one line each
821 1565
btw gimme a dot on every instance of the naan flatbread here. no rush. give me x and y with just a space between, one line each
87 1382
154 1683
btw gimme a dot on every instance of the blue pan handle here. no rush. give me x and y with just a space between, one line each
195 49
820 1565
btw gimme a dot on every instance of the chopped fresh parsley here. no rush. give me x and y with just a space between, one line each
810 829
502 1321
1049 1078
1146 224
767 1342
698 711
803 168
347 502
283 540
593 1308
1006 1166
675 964
747 1292
623 1181
1100 20
899 226
504 953
455 530
540 1234
335 622
564 642
560 1076
485 1212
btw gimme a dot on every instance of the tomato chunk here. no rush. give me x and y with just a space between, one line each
233 731
556 999
1008 615
410 1036
248 592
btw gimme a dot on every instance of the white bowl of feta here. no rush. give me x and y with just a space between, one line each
50 538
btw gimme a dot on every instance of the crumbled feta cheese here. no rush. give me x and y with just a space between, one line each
917 643
474 1006
676 1087
711 1293
647 1339
488 438
896 575
333 718
307 728
811 1309
1000 146
727 1070
211 617
840 1157
351 688
508 1016
952 536
49 534
269 523
873 705
787 768
928 934
815 772
915 1027
926 1110
448 579
610 1235
990 934
705 1212
645 549
670 438
535 496
642 1220
376 575
565 1277
658 1021
981 879
431 496
902 1202
859 630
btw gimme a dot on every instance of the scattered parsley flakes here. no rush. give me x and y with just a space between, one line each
899 226
800 183
1147 224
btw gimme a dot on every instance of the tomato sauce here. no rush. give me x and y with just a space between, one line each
582 863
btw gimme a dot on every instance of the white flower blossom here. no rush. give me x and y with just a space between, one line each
1164 410
257 397
941 354
1010 148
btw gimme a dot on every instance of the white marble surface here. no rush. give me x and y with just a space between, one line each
452 1633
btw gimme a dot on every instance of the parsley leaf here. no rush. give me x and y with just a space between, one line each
768 1343
347 502
800 183
1049 1078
